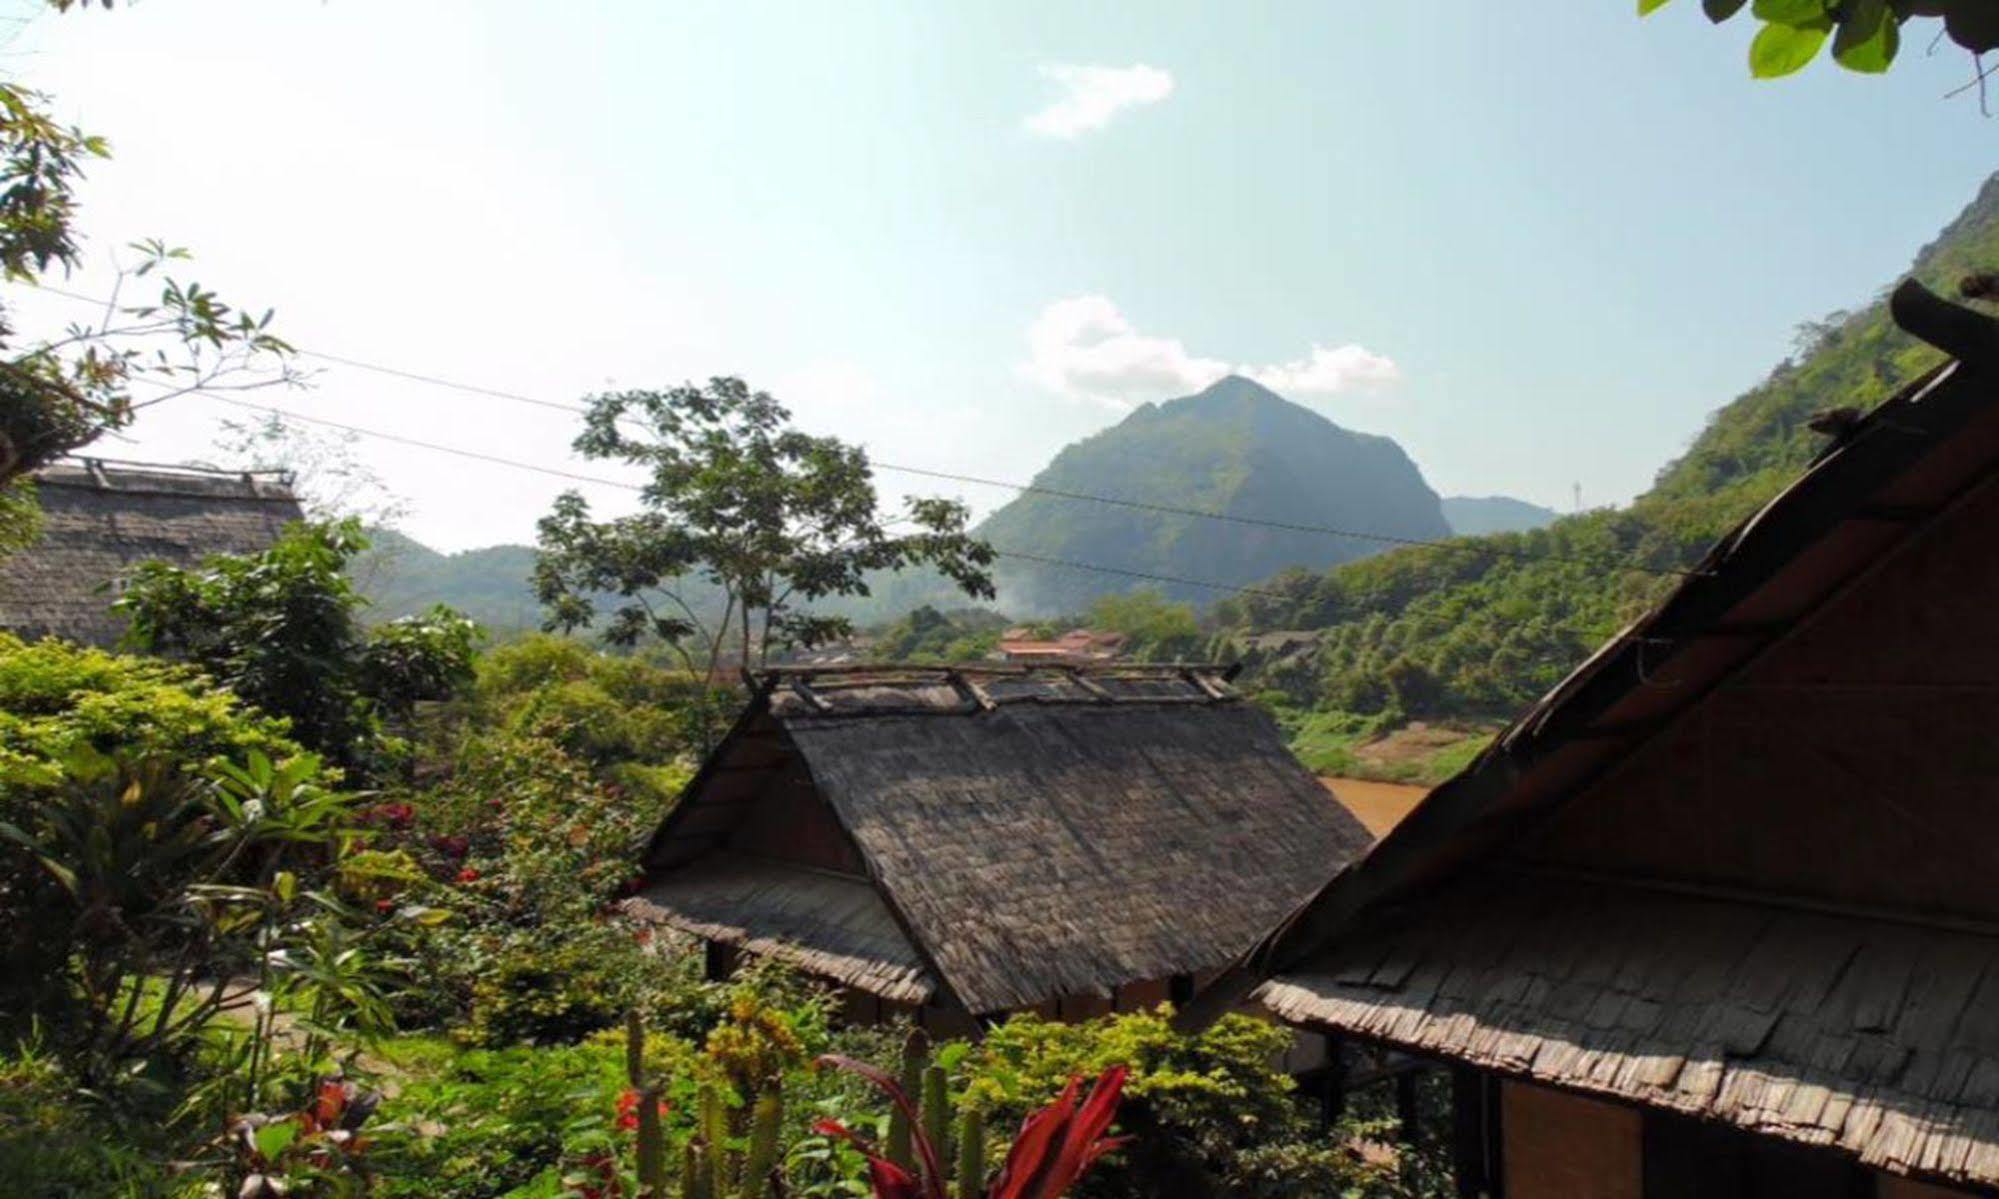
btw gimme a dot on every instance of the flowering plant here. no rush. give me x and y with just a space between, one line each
1056 1146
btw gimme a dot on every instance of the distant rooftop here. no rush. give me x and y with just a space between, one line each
102 517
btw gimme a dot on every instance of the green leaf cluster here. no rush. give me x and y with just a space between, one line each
1865 34
281 629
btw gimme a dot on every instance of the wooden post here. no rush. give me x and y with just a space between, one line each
1475 1155
1407 1114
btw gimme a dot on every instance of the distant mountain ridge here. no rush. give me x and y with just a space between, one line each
1236 447
1472 515
400 575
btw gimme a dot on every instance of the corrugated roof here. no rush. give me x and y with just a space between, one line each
1041 832
102 519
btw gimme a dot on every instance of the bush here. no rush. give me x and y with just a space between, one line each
57 698
1211 1114
56 1144
282 629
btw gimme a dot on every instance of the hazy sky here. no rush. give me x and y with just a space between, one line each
1535 244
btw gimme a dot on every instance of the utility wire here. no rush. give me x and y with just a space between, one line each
1024 488
537 468
475 455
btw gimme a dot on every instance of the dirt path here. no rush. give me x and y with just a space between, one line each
1379 806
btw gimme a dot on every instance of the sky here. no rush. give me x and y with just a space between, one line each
1535 244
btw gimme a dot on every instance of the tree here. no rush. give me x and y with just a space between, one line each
1865 34
1153 626
745 522
60 392
282 630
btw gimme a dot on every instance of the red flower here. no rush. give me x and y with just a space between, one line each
628 1110
385 906
468 875
452 847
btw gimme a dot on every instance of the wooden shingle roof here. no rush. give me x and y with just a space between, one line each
100 519
1034 832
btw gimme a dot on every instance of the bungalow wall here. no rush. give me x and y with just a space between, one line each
1854 762
1532 1142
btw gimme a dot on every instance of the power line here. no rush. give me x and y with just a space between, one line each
477 456
1024 488
537 468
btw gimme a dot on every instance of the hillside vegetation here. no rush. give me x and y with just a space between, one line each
1483 626
1236 447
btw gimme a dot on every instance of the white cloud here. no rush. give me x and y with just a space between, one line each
1092 95
1329 372
1084 348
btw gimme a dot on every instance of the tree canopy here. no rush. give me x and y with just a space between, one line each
741 510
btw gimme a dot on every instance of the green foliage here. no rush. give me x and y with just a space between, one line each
1208 1112
632 720
152 894
1865 34
57 699
56 1144
1155 630
280 629
773 517
20 516
928 635
485 1123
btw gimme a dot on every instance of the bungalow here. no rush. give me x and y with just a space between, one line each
102 518
1719 916
960 843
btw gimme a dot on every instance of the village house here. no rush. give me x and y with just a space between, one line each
1719 916
101 518
1077 645
960 843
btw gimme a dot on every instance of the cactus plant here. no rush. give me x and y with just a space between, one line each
652 1139
915 1057
971 1152
708 1167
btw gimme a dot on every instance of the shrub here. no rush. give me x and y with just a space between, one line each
57 698
282 629
1208 1112
56 1144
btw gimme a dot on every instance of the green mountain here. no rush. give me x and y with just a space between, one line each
1237 448
400 575
1483 627
1471 515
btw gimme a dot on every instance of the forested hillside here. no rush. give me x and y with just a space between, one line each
1484 626
1236 447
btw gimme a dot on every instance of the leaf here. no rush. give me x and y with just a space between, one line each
1781 50
1799 13
1647 6
1868 37
285 883
1721 10
273 1139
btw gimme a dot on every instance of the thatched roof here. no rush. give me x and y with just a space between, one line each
1759 940
100 519
1030 832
